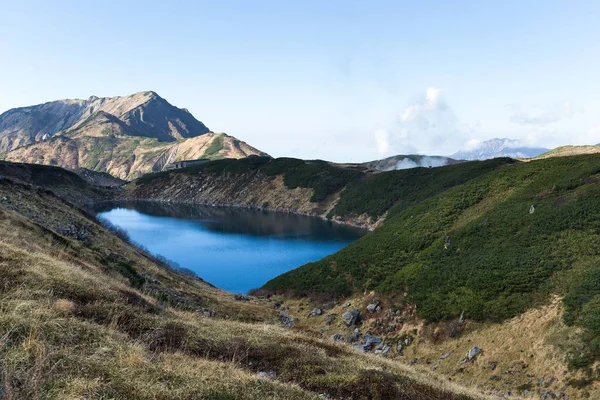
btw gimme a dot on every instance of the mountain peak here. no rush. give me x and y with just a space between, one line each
498 147
145 113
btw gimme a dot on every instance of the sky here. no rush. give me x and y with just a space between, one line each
336 80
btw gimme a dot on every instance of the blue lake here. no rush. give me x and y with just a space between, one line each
234 249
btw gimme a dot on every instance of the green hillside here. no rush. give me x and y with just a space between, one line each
361 191
480 248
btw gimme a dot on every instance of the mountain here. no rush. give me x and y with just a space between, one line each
141 114
408 161
499 148
123 136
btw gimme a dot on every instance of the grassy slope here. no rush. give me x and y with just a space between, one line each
96 318
501 260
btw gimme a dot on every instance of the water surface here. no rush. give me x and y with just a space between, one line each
234 249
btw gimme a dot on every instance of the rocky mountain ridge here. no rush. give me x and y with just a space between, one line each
495 148
123 136
141 114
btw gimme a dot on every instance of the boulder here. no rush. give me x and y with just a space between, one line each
267 375
330 305
315 312
337 337
241 297
368 342
474 352
382 349
351 317
286 320
346 305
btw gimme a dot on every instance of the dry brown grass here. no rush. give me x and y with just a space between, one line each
523 349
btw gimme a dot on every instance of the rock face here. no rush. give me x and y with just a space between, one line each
123 136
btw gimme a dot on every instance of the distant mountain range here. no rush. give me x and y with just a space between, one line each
124 136
495 148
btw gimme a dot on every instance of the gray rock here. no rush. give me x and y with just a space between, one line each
382 349
286 320
267 375
207 312
337 337
329 319
346 305
371 307
241 297
368 342
474 352
531 209
351 317
315 312
330 305
399 348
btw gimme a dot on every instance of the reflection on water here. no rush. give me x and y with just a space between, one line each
235 249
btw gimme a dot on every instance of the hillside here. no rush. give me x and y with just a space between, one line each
489 249
87 315
126 157
123 136
352 195
570 151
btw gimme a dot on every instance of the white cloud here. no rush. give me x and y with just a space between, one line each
593 135
419 111
551 114
425 126
472 144
382 139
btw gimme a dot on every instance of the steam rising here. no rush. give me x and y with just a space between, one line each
407 163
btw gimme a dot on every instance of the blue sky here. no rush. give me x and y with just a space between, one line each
338 80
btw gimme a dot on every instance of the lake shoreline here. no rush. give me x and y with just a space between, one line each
367 227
